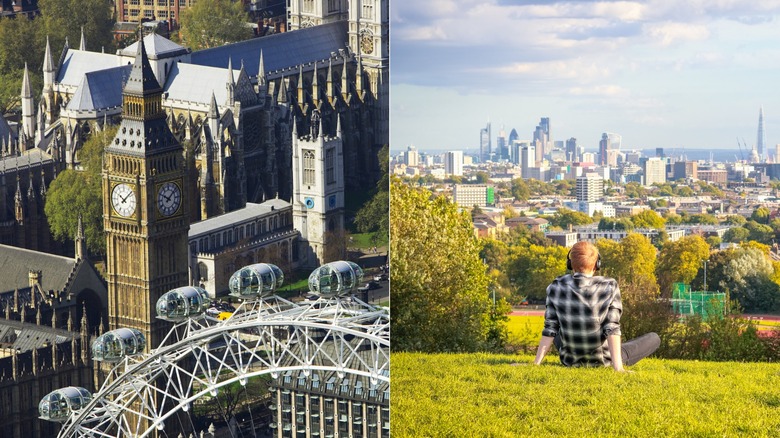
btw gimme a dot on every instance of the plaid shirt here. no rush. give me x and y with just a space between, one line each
584 311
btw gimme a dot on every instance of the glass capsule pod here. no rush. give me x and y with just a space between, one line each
114 345
181 303
59 404
335 278
259 279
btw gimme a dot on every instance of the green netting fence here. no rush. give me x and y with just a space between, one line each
703 303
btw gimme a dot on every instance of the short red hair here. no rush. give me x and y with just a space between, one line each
583 256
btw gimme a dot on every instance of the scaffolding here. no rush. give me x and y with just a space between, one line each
703 303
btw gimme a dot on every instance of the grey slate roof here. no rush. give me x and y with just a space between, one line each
29 336
15 264
13 162
251 211
280 51
5 129
78 62
196 83
100 89
157 47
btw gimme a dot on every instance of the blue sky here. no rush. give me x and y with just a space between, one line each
671 74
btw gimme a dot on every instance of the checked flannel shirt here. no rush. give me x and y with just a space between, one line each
583 311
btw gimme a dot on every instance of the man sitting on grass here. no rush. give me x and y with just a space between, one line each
582 317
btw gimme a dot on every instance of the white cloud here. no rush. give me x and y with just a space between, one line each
600 90
668 34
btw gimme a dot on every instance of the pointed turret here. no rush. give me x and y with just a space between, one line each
31 197
282 96
344 83
19 202
300 87
261 71
81 242
231 83
329 85
48 65
28 107
43 183
315 89
213 109
359 78
83 43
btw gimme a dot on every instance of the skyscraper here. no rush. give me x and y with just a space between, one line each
761 141
484 143
609 142
571 149
542 139
655 171
502 150
411 156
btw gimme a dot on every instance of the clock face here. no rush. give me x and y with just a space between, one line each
169 198
367 44
123 200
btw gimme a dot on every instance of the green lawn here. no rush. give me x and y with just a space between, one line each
367 240
483 395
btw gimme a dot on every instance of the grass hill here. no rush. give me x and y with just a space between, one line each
484 395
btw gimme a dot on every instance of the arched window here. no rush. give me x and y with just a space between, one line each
308 168
203 271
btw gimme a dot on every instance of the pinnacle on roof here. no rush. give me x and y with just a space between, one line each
83 43
231 81
213 110
142 79
26 90
261 70
48 63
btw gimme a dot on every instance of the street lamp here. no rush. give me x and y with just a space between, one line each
705 275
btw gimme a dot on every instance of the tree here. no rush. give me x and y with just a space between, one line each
736 234
72 195
440 285
535 267
66 18
75 193
520 189
759 232
761 215
632 259
681 261
736 219
648 219
482 177
565 217
212 23
372 217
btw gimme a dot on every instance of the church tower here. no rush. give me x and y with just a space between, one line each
318 192
146 207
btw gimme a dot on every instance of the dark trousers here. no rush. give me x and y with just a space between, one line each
632 351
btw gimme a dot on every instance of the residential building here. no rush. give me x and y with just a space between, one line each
589 187
453 163
685 169
655 171
469 195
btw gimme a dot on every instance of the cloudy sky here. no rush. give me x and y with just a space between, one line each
667 73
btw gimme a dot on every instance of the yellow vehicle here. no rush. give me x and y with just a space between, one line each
224 315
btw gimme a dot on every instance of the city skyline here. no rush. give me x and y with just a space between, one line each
659 73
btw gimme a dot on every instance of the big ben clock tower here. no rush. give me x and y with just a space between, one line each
145 207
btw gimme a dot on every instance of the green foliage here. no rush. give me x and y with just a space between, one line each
736 219
65 18
535 267
520 189
759 232
631 259
482 177
485 395
702 219
72 194
212 23
761 215
736 235
648 219
75 193
439 283
680 261
618 224
565 217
